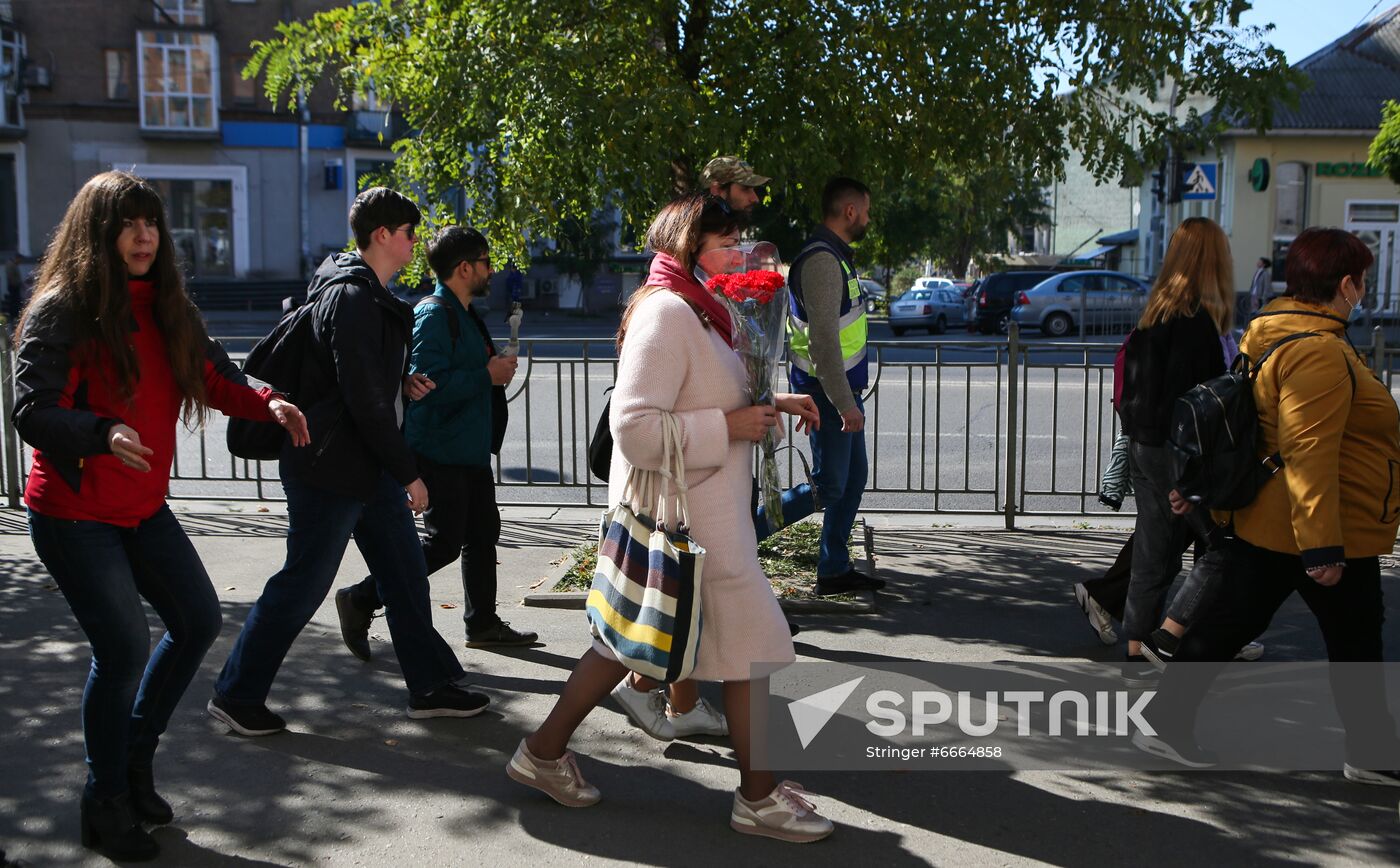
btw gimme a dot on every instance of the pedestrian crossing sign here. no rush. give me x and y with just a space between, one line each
1198 181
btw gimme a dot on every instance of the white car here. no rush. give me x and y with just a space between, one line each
933 283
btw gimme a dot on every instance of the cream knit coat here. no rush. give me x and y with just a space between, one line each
671 362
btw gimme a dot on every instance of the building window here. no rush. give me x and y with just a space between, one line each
181 12
179 80
245 90
11 57
1291 196
118 63
200 214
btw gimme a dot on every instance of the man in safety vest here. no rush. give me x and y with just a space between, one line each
828 330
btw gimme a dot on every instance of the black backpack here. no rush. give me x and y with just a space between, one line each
500 404
278 361
1213 441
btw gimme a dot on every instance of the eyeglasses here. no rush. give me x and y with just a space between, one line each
485 259
410 231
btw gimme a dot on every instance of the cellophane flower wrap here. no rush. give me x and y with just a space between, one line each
749 283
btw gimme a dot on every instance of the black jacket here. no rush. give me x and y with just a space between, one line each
352 381
1161 364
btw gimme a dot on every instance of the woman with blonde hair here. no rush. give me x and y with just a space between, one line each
1176 346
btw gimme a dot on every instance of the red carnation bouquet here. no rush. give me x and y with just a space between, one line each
747 281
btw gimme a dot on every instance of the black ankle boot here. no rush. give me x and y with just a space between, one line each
146 804
110 825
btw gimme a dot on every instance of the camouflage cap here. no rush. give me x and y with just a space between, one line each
730 170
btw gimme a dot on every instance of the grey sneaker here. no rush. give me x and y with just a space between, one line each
559 779
784 814
647 710
1099 619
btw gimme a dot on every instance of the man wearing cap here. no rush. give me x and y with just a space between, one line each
734 181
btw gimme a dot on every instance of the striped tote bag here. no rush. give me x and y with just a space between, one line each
644 604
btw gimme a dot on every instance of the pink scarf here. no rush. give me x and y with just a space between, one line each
667 273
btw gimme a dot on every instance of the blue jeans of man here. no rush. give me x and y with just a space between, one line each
798 503
320 525
839 469
104 571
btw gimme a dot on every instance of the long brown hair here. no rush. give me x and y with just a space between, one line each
1196 273
678 230
83 276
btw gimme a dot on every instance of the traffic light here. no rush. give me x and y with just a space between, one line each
1159 180
1176 168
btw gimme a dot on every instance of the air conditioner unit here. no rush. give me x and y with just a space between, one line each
37 77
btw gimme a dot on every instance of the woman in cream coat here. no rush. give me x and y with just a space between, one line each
675 357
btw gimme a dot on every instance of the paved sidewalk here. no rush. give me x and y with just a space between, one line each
355 782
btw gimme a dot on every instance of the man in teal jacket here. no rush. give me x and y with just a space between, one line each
450 429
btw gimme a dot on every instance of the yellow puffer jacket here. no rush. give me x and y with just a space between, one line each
1338 494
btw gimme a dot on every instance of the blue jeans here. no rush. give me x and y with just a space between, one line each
104 571
798 503
320 525
839 469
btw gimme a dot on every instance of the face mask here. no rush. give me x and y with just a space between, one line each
1353 315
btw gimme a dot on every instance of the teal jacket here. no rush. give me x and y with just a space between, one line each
452 423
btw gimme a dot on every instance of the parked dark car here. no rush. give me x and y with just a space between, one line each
996 295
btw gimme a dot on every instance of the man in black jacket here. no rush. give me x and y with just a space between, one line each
358 478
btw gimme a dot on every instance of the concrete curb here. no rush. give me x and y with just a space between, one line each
863 604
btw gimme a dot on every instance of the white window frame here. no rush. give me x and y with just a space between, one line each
19 53
354 155
178 12
226 172
16 150
187 93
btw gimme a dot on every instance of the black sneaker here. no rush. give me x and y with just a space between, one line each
354 623
1159 648
1138 672
500 635
849 582
250 720
447 701
1182 751
794 628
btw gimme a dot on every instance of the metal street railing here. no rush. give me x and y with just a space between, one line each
997 427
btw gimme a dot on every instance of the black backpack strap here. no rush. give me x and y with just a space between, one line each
1286 339
453 326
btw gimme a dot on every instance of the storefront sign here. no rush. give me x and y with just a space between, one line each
1259 175
1349 170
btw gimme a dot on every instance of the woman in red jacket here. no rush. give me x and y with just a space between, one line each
111 353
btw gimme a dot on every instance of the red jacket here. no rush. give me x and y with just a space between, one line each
107 490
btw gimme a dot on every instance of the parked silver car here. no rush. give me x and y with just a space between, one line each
1103 300
932 309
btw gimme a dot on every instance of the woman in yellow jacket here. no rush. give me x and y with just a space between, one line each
1320 524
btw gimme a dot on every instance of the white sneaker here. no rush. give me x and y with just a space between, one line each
647 710
1099 619
700 720
784 814
1252 651
559 779
1368 776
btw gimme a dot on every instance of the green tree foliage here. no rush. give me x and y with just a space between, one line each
545 111
1385 148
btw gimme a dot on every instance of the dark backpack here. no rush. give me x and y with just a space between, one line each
500 404
600 448
1213 440
278 361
